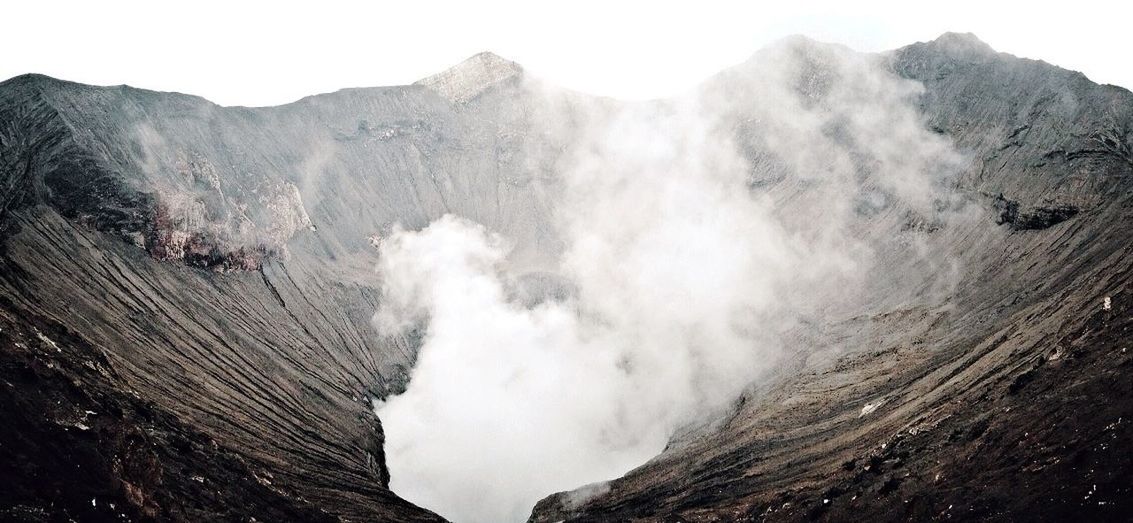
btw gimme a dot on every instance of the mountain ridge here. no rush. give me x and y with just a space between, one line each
972 44
154 252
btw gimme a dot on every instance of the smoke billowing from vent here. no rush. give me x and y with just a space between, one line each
697 231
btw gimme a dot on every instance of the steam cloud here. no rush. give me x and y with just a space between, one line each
696 231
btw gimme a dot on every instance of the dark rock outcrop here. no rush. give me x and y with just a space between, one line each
1031 219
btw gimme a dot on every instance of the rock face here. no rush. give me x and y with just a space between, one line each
202 278
1002 401
186 293
467 80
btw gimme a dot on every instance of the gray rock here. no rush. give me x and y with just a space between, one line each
207 275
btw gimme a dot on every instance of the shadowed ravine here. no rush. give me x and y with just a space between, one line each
188 296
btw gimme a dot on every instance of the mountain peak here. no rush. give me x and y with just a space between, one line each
963 43
464 81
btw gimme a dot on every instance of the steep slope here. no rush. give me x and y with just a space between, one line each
215 265
1005 399
186 295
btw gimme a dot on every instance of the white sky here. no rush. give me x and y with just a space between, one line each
266 53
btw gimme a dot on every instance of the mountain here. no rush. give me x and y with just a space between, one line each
187 294
176 278
1002 401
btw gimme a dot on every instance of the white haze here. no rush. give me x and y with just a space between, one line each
682 279
256 52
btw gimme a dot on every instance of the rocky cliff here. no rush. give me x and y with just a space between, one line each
1003 399
186 294
197 282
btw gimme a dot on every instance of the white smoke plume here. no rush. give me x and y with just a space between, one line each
695 231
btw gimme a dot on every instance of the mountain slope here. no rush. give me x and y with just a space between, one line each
218 264
187 294
1004 400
